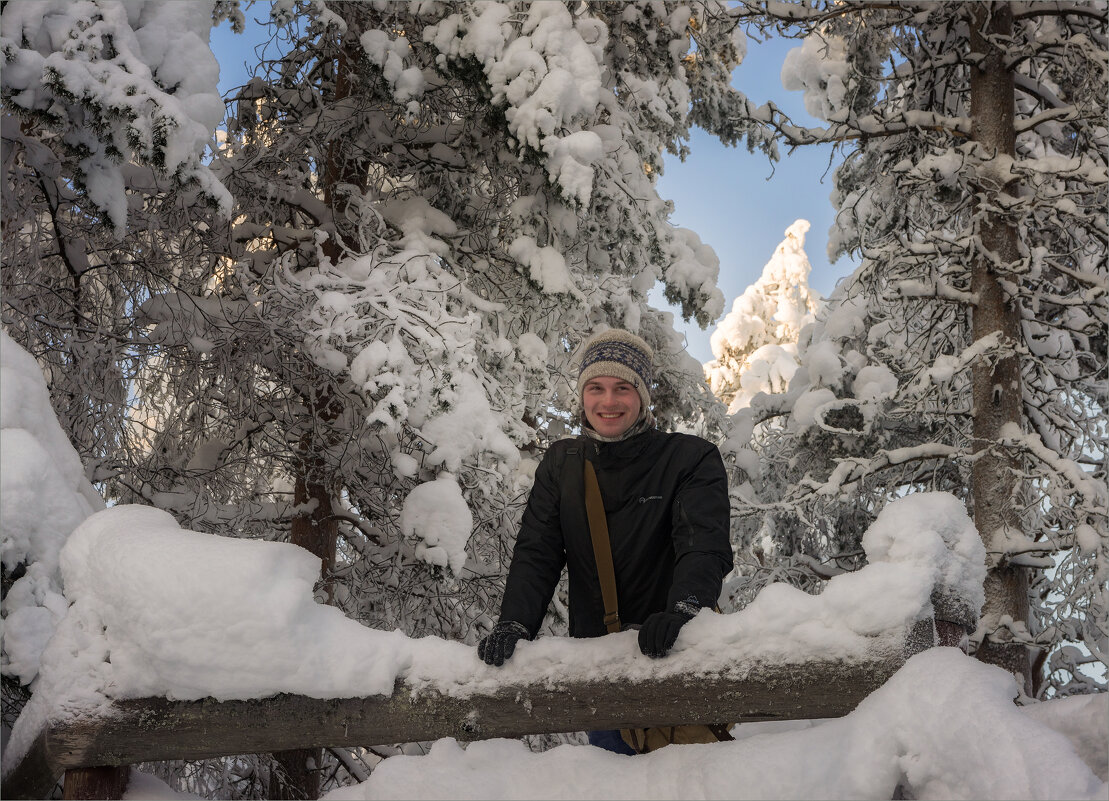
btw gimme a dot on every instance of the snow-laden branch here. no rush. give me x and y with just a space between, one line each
816 13
1038 90
848 471
1092 11
1083 276
1063 114
1093 493
939 290
865 127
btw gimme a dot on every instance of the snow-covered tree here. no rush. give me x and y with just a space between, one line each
107 111
968 351
426 225
755 345
431 207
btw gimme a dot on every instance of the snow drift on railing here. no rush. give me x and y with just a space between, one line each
161 611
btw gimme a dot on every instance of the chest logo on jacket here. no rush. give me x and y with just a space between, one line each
646 498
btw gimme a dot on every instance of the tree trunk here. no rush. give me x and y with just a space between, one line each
317 530
997 392
298 775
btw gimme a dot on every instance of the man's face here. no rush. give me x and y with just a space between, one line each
611 405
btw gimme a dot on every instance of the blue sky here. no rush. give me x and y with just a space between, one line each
736 201
741 204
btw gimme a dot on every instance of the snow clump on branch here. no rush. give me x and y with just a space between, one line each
437 514
153 89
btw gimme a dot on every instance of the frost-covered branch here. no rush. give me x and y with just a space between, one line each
849 471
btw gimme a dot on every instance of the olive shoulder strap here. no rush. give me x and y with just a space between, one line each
602 548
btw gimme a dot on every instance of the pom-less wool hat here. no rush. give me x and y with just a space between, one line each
620 354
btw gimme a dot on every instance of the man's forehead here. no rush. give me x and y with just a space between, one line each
599 379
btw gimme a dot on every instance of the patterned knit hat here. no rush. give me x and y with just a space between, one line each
620 354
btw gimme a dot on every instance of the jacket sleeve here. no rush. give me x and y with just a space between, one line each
539 553
701 524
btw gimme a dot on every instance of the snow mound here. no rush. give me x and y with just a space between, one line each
149 601
943 727
44 495
156 598
945 539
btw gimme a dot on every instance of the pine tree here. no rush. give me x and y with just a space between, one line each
106 190
973 193
106 193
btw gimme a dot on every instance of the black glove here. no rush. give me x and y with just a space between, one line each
501 642
660 630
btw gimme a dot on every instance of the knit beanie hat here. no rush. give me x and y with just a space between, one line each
620 354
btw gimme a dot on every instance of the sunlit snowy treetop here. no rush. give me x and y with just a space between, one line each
755 345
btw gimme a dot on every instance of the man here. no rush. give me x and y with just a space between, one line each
666 503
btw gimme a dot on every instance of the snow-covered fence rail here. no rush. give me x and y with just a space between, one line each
144 666
151 729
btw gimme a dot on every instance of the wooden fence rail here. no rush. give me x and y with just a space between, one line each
154 729
158 729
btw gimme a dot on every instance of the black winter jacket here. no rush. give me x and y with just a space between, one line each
666 500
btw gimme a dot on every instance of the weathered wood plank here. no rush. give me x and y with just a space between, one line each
36 775
155 729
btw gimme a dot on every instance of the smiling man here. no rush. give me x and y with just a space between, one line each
665 499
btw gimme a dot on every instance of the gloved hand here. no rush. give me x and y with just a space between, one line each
660 630
501 642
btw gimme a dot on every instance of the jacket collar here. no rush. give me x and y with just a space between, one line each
626 449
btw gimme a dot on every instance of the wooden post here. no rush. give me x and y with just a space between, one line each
88 784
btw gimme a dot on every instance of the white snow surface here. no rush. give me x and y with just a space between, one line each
819 68
874 382
144 787
35 450
545 265
944 537
808 404
44 495
1081 719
